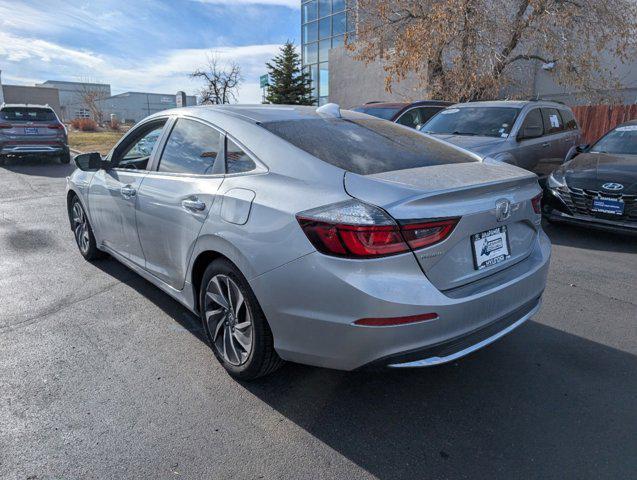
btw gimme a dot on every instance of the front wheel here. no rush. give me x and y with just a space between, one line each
83 232
236 327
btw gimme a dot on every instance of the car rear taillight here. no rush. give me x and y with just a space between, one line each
357 230
537 203
56 126
5 125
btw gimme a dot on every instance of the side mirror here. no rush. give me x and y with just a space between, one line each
530 131
90 162
582 148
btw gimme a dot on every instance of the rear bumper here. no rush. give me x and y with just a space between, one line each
311 305
32 149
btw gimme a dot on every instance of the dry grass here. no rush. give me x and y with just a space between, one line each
93 141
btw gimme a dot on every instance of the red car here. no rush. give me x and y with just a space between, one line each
409 114
27 130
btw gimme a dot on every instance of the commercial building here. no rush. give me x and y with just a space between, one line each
131 107
337 77
33 95
324 24
71 94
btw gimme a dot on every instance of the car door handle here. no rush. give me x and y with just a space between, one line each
547 144
128 191
193 205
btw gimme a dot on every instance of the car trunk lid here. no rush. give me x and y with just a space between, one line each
466 190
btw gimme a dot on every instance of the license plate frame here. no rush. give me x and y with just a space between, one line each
31 130
490 247
608 206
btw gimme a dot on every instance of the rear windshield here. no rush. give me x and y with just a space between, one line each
621 141
365 145
385 113
483 121
27 114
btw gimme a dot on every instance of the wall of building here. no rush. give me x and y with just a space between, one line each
33 95
135 106
354 83
71 93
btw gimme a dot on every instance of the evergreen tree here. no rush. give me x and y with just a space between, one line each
289 85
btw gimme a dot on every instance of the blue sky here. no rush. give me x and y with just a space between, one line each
141 45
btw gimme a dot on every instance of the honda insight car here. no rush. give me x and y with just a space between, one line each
598 187
32 130
325 237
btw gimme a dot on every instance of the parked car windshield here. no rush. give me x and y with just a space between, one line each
27 114
621 141
483 121
365 145
385 113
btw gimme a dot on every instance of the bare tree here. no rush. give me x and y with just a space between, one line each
221 84
473 49
90 95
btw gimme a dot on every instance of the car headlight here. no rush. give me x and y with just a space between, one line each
556 179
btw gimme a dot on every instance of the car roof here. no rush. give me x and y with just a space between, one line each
511 103
441 103
24 105
257 113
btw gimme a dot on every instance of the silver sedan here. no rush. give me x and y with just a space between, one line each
319 236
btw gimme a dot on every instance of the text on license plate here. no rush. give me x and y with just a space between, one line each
30 131
490 247
610 206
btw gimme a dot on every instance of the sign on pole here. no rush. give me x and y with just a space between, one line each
264 80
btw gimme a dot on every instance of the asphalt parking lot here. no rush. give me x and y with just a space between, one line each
104 376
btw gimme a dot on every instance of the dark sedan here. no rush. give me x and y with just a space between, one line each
412 115
598 188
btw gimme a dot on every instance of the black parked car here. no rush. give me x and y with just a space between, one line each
412 115
598 187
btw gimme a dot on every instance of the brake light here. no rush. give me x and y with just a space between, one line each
356 230
56 126
537 203
5 125
391 321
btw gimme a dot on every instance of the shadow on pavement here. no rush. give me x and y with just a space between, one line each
588 238
42 167
540 403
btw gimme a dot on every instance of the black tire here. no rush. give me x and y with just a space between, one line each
262 359
83 232
65 158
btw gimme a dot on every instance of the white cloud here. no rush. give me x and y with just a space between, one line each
167 73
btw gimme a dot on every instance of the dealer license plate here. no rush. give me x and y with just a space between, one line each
490 247
610 206
30 131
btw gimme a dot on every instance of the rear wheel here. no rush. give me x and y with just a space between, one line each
236 327
65 157
83 232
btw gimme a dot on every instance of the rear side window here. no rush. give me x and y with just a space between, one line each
533 120
191 148
552 121
427 112
27 114
365 146
237 161
411 118
380 112
569 120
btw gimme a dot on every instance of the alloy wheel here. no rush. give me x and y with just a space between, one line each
80 227
228 319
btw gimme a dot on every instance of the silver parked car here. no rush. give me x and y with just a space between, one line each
317 236
535 135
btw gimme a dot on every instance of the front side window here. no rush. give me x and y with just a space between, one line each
427 112
411 118
621 141
552 121
135 153
482 121
237 161
365 145
191 148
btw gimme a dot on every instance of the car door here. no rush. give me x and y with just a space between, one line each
556 137
113 191
177 196
572 135
531 145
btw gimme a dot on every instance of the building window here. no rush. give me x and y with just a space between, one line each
325 29
339 24
324 79
338 5
310 32
310 11
325 8
310 53
324 49
82 113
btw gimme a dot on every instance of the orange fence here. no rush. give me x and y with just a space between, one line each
596 120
